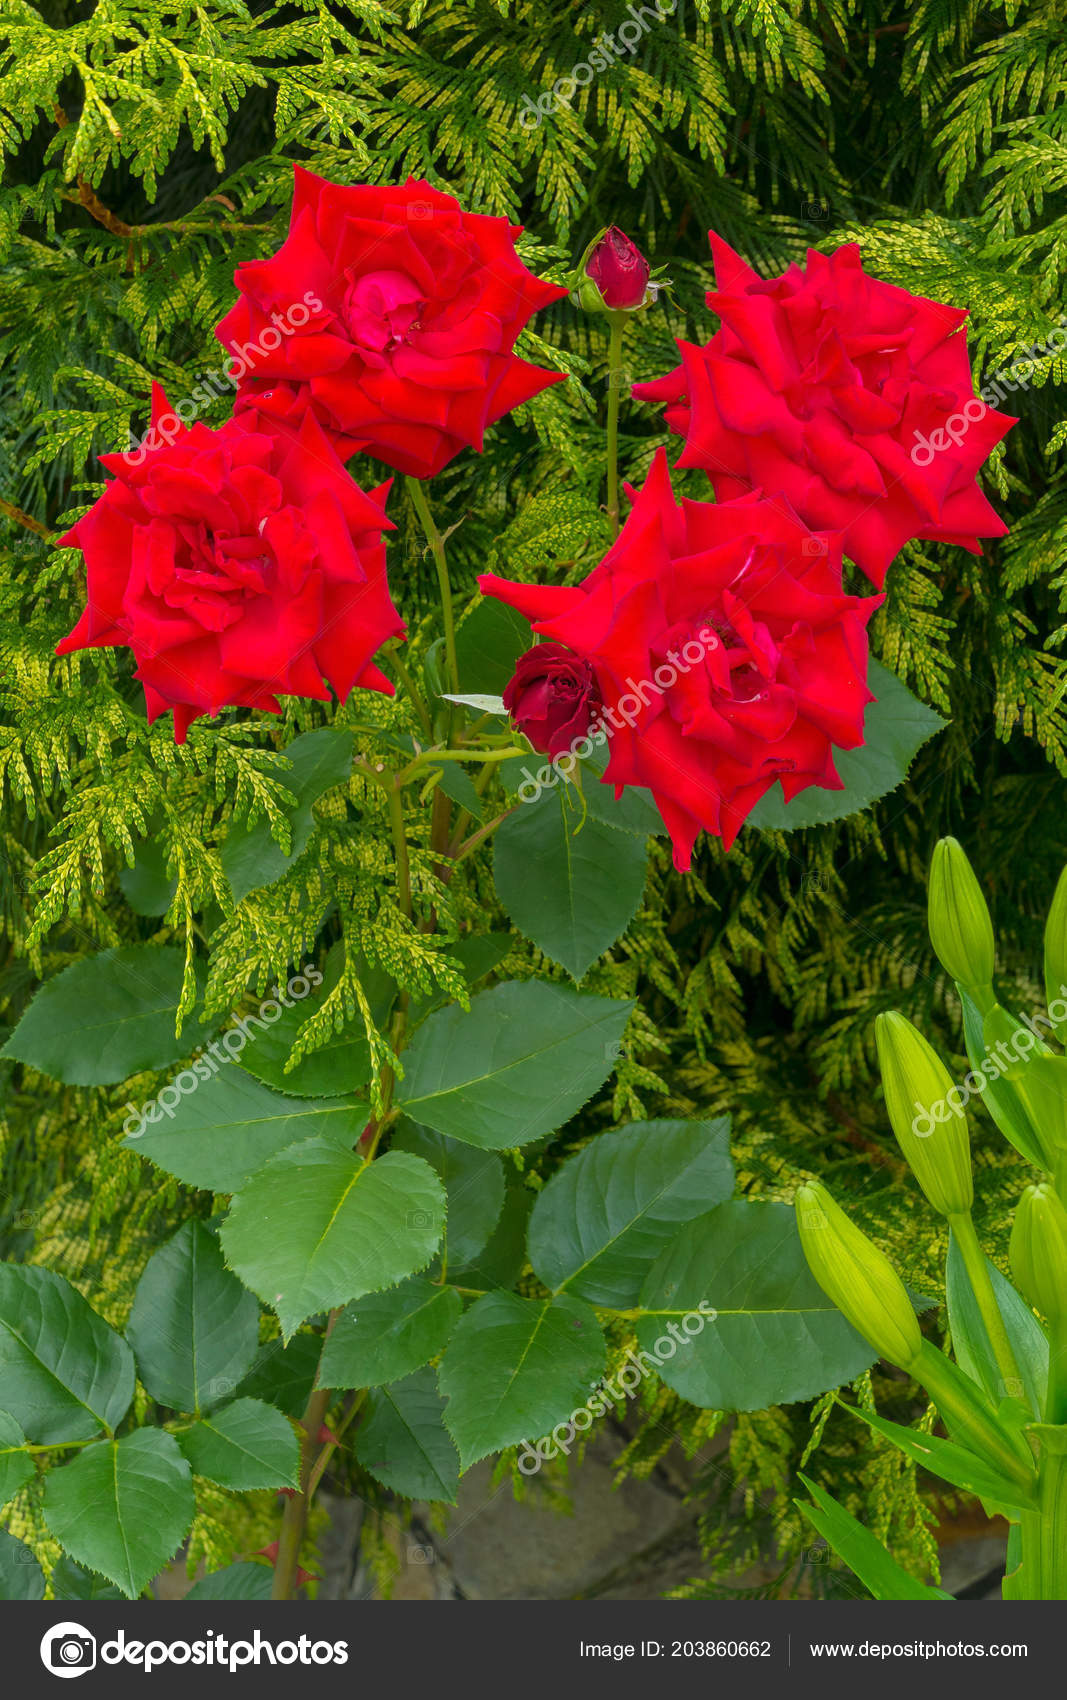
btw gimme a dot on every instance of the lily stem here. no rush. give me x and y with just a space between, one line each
982 1286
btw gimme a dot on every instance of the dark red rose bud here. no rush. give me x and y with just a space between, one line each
553 697
619 270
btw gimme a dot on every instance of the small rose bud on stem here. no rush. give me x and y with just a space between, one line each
614 275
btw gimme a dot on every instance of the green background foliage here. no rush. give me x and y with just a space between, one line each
147 150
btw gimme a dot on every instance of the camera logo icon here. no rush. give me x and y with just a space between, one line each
68 1649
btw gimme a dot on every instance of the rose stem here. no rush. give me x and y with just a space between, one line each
618 323
437 548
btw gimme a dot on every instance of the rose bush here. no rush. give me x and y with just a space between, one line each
363 1153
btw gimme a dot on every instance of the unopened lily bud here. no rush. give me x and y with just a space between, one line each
960 928
859 1278
1038 1251
1056 959
926 1110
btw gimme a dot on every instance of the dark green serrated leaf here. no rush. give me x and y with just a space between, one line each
895 728
458 786
772 1335
319 1226
334 1069
403 1443
519 1064
16 1466
69 1581
473 1180
243 1446
233 1125
246 1581
64 1373
21 1577
283 1375
570 885
501 1261
515 1368
122 1507
194 1329
635 811
107 1017
604 1218
147 887
489 640
387 1336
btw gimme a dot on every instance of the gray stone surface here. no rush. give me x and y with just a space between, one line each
499 1549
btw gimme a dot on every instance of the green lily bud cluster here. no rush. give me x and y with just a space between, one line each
1038 1252
926 1111
961 931
858 1277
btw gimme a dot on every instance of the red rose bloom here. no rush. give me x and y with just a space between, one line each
238 565
827 385
396 312
725 653
619 270
281 409
552 698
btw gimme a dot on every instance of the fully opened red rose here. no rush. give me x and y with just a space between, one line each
238 565
397 313
828 385
725 653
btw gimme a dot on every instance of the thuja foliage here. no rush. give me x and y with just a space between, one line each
148 150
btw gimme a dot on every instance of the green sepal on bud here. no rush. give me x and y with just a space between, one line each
1038 1252
961 931
859 1278
926 1111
